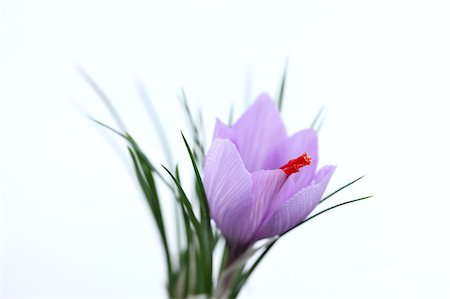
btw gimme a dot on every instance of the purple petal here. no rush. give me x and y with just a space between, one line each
221 130
228 186
291 148
286 191
266 187
257 131
297 207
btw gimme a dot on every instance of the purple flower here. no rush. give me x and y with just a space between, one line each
249 196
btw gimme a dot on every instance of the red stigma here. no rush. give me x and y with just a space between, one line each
295 164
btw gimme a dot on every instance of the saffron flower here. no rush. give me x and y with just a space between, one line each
259 181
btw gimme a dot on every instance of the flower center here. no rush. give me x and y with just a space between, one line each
295 164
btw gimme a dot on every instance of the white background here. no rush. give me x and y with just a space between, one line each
73 221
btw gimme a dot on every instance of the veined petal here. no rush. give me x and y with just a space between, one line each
228 186
221 130
290 148
257 131
266 186
298 207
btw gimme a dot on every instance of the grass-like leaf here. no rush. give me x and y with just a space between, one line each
198 148
146 180
340 189
185 202
233 274
327 210
230 115
144 172
314 124
162 137
156 123
223 260
102 95
204 208
205 219
133 143
185 256
241 282
282 88
123 135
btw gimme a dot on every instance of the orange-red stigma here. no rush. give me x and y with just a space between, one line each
295 164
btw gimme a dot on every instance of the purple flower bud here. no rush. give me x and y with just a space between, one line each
249 196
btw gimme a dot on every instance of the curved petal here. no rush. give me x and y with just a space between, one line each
285 192
297 207
221 130
292 147
228 186
266 187
257 131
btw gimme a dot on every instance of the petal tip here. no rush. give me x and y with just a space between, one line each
264 99
221 130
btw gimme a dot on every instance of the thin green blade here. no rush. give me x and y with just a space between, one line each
282 88
340 189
